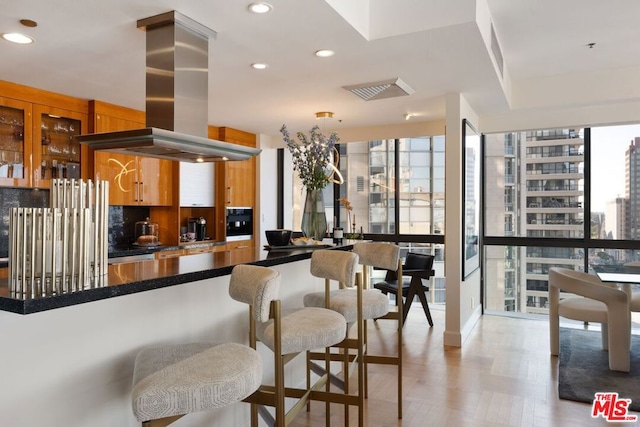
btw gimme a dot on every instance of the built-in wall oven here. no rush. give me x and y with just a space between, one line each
239 223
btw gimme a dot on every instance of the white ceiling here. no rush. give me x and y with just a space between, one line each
92 49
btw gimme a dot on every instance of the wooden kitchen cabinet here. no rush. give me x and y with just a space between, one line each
235 181
240 189
206 249
133 180
170 254
239 244
38 126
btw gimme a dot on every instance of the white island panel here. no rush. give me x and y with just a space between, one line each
73 367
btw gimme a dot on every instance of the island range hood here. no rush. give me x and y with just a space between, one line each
176 98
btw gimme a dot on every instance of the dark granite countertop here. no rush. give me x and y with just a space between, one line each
129 278
130 250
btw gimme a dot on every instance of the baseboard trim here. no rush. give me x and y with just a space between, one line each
457 338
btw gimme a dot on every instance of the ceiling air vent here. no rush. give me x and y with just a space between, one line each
380 90
497 51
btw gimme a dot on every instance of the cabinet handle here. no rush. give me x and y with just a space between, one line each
141 191
229 199
137 192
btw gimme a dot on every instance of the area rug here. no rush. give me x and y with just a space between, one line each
584 369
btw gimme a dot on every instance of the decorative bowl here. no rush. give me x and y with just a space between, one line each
278 237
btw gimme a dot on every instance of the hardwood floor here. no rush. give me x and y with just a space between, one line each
503 376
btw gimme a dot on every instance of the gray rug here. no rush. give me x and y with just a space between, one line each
584 369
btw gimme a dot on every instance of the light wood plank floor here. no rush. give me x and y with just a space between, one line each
503 376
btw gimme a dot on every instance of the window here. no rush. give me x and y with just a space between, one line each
558 174
615 190
380 194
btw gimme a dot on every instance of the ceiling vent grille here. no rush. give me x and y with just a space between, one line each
497 51
380 90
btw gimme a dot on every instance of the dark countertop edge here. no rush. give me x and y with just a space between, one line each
36 305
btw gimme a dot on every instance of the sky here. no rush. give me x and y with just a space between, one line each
608 145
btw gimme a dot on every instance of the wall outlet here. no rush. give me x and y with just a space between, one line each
473 302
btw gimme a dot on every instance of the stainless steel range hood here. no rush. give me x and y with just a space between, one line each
176 101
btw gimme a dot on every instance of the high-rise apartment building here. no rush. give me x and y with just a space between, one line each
632 189
534 188
615 216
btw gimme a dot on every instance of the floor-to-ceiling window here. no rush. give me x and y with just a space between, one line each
396 190
559 197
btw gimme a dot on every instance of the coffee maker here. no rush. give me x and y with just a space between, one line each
197 226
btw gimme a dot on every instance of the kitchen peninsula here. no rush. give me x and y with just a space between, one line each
72 358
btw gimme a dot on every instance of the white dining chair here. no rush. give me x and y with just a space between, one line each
597 302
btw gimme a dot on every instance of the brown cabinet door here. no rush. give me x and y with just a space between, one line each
15 142
240 244
240 183
169 254
155 181
132 180
135 180
121 172
240 175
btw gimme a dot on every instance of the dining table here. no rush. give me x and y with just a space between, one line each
617 273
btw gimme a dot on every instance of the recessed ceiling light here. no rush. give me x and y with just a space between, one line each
17 38
324 53
259 66
260 7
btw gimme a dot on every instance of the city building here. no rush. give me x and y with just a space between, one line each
615 215
632 189
534 188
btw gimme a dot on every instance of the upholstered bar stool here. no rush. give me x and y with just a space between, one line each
356 306
171 381
385 256
288 335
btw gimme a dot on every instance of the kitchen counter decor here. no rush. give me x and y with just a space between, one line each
62 248
315 159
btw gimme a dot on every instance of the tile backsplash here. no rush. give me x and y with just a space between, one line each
122 223
17 198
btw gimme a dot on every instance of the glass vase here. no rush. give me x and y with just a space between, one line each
314 218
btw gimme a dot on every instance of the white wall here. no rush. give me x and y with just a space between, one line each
267 188
463 297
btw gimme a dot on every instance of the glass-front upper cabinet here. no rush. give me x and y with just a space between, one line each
56 152
15 142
